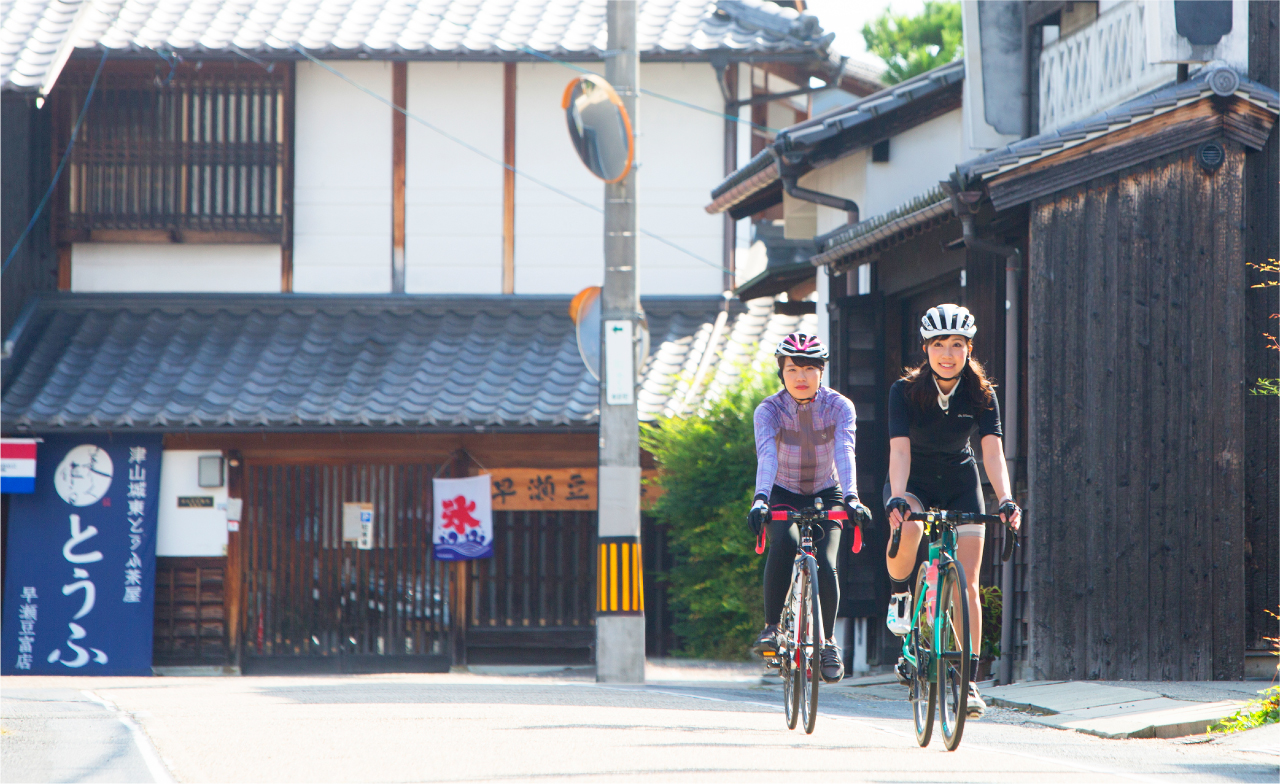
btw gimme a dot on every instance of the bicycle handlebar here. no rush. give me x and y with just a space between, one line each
812 515
957 518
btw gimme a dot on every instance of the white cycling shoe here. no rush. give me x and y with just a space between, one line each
899 617
977 707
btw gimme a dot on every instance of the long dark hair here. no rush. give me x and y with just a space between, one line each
921 391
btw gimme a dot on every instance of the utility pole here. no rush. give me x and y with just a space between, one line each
620 593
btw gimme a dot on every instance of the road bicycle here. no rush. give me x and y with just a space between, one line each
799 659
936 651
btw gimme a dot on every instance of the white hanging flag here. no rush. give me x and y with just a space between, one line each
463 528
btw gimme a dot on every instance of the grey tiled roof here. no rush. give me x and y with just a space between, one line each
797 141
1206 82
685 374
173 362
925 209
32 30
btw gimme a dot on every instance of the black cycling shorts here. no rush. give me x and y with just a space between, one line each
957 488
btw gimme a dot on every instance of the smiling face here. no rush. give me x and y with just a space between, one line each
948 355
801 380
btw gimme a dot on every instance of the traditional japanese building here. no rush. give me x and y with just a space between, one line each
319 303
1107 242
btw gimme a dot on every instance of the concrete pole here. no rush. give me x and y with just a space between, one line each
620 593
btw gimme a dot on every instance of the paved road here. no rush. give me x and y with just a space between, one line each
466 727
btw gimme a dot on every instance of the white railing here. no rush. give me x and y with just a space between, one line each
1097 67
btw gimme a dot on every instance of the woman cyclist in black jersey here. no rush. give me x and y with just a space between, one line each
934 411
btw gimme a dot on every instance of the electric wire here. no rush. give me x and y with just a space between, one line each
650 93
61 165
493 159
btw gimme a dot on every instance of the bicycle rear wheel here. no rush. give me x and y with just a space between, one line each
923 690
812 650
953 652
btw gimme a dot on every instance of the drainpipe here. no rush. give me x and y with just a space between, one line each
1012 287
789 178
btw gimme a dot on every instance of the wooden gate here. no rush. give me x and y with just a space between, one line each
534 601
314 602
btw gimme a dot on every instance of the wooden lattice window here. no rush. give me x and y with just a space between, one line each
192 155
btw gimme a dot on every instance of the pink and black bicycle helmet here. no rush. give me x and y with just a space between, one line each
798 344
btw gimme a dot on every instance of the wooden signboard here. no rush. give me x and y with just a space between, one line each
552 489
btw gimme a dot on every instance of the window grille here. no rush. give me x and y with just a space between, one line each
196 157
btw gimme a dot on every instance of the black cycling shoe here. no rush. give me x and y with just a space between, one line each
832 664
768 642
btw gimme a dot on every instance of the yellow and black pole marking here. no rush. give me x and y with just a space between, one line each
620 577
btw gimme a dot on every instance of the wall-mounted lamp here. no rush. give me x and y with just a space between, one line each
211 471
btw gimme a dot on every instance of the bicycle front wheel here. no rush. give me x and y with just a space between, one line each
953 652
791 687
923 691
812 649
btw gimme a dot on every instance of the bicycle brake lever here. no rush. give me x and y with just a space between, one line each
1010 542
897 540
857 538
760 543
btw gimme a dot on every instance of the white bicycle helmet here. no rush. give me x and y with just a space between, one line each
948 319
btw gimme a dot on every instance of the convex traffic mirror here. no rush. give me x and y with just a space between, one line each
599 127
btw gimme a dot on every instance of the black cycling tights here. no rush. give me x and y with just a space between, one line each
784 540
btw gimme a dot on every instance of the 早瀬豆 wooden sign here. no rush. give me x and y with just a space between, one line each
547 489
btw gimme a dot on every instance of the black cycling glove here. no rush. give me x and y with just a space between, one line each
858 513
1008 508
901 504
759 514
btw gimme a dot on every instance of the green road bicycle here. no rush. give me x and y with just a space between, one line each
800 659
937 649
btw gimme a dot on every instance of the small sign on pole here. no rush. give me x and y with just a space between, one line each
619 360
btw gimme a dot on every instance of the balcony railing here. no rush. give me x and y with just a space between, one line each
1097 67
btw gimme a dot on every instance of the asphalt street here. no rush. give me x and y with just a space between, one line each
468 727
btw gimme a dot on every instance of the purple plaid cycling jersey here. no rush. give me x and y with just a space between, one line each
806 448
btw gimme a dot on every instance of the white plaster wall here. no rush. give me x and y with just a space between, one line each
453 196
112 266
681 152
189 532
846 177
559 244
919 158
342 180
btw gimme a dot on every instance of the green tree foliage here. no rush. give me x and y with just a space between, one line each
708 468
911 45
1268 386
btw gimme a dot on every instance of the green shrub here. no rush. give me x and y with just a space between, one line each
1254 713
708 468
992 606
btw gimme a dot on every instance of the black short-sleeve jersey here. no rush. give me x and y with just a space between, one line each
939 436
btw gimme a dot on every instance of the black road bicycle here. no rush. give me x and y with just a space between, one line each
799 660
937 648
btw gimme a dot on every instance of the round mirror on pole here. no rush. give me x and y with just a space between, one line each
599 127
585 312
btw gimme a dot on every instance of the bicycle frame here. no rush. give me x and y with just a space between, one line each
942 550
805 563
940 528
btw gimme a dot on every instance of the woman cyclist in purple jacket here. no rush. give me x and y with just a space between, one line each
804 450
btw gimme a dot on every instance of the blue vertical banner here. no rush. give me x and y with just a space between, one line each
81 559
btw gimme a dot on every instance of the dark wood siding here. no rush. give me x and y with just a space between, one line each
25 172
1262 413
1136 379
